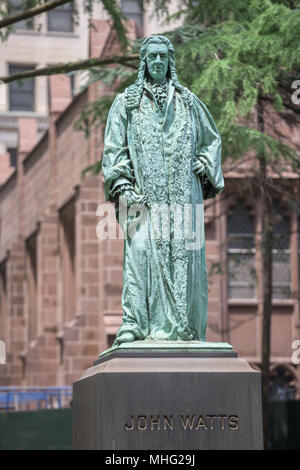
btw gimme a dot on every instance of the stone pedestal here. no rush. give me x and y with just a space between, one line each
189 398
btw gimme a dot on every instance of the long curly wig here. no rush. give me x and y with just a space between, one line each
134 92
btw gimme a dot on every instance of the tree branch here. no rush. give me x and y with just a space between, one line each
31 12
70 67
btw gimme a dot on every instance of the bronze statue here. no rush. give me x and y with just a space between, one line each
162 149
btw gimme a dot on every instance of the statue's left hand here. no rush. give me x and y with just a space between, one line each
133 198
199 166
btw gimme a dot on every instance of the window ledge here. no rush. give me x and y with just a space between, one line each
27 32
62 34
32 32
283 302
275 302
17 114
242 301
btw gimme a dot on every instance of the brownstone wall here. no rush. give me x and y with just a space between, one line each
48 344
5 169
71 293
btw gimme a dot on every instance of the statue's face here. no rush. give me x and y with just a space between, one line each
157 58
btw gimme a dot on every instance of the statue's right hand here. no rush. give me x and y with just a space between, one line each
199 166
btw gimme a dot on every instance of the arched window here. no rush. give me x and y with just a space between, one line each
281 252
240 252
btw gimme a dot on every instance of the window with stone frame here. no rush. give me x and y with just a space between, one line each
16 6
132 9
60 19
281 252
21 92
241 252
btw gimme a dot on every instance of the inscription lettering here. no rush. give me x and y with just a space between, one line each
233 422
130 427
142 423
186 422
222 418
168 421
201 423
211 420
155 422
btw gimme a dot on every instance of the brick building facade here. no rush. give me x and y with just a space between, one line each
60 286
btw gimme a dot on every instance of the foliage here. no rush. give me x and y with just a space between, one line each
230 54
234 62
95 112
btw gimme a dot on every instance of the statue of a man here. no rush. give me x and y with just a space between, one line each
162 148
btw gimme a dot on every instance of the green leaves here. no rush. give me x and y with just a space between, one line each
93 169
95 113
230 54
113 9
231 63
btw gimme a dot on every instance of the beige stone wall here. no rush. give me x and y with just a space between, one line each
40 48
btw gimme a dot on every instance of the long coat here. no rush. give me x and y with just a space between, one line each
164 278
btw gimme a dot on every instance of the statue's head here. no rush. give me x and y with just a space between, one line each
157 59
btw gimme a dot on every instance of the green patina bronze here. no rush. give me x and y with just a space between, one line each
178 346
162 148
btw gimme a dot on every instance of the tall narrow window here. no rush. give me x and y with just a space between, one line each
31 275
281 253
21 92
13 156
72 83
3 304
16 6
67 231
60 19
299 254
132 10
240 252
